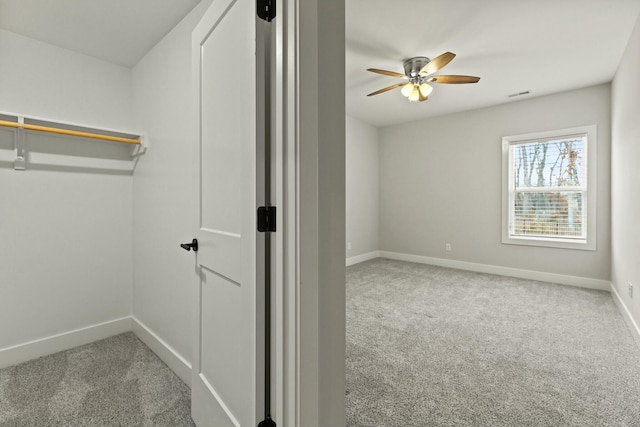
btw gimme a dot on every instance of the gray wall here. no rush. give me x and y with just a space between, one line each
65 226
440 182
42 80
164 196
362 188
625 196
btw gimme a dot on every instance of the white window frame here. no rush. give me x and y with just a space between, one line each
508 189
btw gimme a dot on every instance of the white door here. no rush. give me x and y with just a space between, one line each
224 359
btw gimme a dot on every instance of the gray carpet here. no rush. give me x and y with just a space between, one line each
431 346
113 382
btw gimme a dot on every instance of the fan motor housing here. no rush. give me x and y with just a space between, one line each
412 66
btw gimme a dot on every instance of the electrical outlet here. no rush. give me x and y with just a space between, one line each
447 247
630 289
348 246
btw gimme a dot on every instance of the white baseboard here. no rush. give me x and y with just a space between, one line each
581 282
362 258
626 314
168 355
42 347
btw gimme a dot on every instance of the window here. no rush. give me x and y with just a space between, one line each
549 188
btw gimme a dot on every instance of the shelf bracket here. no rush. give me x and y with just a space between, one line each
20 163
144 145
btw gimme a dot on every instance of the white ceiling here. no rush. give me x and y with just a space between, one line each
117 31
544 46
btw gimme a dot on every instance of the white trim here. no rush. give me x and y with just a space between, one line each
60 342
178 364
285 399
626 314
362 258
289 110
581 282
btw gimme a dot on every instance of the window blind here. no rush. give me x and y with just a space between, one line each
548 187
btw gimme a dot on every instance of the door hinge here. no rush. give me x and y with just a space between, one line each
266 9
266 219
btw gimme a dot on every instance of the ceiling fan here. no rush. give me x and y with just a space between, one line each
418 73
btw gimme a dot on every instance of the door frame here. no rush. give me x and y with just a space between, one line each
309 191
284 364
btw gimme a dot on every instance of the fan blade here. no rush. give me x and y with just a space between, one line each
454 79
387 89
436 63
385 72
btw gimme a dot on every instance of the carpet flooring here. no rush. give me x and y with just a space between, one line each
114 382
432 346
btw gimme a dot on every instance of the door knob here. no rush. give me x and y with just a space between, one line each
188 246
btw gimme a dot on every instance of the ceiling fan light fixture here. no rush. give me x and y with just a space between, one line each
418 72
407 89
414 95
425 89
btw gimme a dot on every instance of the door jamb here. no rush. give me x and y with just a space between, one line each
285 160
309 391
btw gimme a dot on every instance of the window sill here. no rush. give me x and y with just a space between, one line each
549 242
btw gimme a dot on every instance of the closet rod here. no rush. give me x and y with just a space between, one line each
69 132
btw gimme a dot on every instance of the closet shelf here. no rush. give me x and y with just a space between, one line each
22 123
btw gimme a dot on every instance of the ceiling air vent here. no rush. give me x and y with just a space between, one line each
513 95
